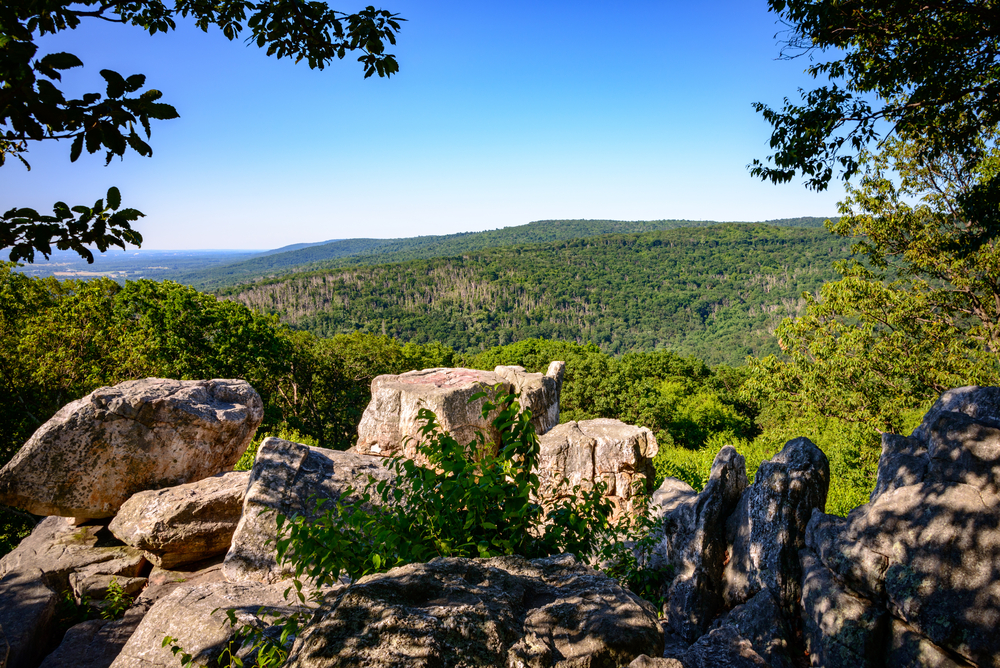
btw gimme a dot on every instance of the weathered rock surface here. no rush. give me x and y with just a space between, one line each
390 426
57 548
186 523
27 617
538 392
196 617
694 542
618 455
908 649
289 478
926 549
98 451
95 643
505 611
842 629
767 529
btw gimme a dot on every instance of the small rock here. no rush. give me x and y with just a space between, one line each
186 523
96 587
98 451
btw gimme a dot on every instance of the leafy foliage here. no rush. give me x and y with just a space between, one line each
922 316
34 107
716 292
926 73
470 500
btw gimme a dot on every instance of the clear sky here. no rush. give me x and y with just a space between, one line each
502 113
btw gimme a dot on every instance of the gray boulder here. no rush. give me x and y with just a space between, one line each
767 529
694 542
588 452
27 617
842 629
95 643
505 611
289 478
186 523
196 616
98 451
57 548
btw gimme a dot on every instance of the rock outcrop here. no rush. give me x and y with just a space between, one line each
389 425
291 479
505 611
694 542
768 527
98 451
609 452
920 563
186 523
762 577
195 615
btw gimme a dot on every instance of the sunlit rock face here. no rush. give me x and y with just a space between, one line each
98 451
611 453
390 425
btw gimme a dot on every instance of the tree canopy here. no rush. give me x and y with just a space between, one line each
928 70
920 316
35 108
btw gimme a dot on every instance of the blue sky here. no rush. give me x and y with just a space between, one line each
502 113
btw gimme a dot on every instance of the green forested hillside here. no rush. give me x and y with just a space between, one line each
353 252
716 292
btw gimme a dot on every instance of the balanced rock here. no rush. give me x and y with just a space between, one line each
693 541
588 452
390 426
768 527
186 523
505 611
290 479
98 451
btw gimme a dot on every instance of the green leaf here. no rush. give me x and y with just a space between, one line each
114 198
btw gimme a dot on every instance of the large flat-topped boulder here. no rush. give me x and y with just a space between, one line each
389 425
611 452
98 451
504 611
186 523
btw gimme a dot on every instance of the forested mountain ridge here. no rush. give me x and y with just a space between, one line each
717 292
354 252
